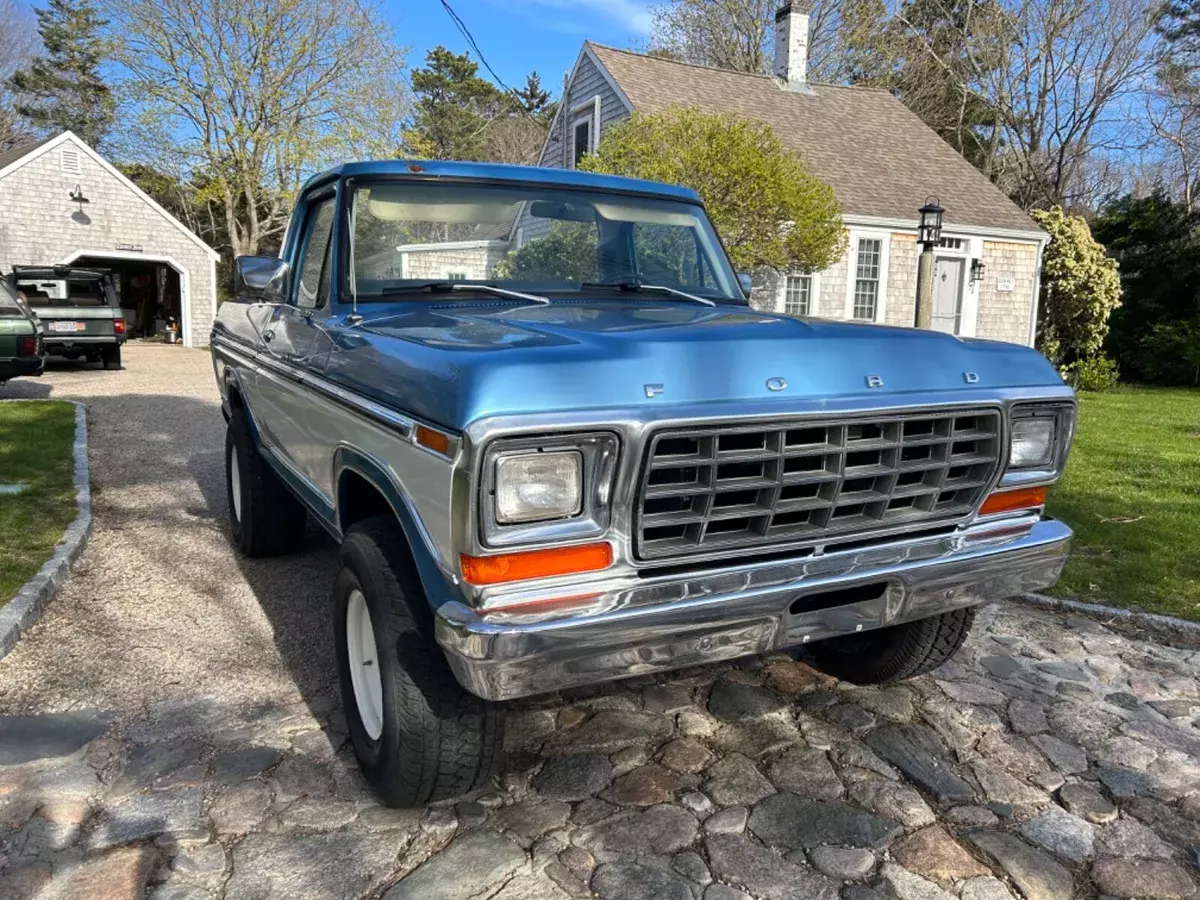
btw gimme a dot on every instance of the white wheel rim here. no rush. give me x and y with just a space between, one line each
235 484
364 665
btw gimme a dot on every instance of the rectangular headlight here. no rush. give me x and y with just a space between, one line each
1032 442
538 487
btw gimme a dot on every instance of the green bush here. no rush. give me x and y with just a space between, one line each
1096 374
1081 286
1170 353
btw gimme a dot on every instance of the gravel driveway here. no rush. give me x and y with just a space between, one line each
170 729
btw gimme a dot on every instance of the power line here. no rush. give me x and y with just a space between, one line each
470 39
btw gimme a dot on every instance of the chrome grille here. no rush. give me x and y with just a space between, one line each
741 486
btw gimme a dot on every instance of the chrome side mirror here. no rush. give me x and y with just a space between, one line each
260 279
746 283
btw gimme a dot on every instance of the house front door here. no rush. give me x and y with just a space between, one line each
947 293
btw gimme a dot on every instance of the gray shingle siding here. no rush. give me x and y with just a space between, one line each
588 84
40 225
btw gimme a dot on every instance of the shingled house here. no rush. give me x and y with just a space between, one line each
881 160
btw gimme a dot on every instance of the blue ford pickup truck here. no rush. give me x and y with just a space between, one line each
558 447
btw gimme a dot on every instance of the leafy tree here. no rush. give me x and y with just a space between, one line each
256 95
769 208
453 107
1174 109
1081 286
533 99
63 89
1170 353
460 115
932 47
18 40
1156 241
740 34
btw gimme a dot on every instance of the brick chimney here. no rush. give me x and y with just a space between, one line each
791 44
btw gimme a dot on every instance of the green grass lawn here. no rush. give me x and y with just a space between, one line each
35 449
1132 494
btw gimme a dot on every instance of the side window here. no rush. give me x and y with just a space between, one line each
312 287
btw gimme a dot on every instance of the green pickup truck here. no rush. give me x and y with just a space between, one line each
21 350
78 308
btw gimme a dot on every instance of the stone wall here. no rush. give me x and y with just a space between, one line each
40 225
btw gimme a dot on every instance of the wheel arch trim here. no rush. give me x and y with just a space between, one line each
439 585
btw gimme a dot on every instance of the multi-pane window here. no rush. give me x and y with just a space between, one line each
797 298
582 140
456 276
866 282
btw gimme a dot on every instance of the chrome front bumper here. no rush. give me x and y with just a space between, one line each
669 622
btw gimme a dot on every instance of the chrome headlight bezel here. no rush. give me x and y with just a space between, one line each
1063 416
598 455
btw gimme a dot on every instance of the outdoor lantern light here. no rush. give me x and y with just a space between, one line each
931 222
77 197
977 271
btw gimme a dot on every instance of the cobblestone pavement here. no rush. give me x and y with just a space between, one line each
170 731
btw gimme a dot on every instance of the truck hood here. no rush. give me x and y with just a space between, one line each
454 362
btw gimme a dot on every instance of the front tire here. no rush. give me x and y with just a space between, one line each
419 737
264 517
897 653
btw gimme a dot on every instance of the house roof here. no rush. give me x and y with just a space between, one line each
11 161
880 159
11 156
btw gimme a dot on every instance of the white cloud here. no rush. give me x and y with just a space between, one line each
631 14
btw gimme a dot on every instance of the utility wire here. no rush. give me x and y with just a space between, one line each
470 39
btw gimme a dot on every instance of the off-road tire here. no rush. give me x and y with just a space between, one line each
111 356
896 653
272 520
438 740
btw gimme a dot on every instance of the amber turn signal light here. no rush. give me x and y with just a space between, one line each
484 570
1011 501
433 440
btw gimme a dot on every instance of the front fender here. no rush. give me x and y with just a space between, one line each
439 585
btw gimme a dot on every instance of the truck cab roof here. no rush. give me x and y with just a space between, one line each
492 172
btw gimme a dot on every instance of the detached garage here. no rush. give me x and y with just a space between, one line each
61 202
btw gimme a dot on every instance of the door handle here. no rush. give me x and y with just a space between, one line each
268 335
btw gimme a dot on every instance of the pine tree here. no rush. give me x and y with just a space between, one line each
454 106
63 89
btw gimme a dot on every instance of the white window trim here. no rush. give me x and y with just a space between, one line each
589 112
814 293
885 258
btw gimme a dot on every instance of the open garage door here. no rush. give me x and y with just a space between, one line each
149 291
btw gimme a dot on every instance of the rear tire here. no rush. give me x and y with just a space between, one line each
422 737
896 653
266 520
111 356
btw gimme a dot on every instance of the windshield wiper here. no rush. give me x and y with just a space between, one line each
633 285
459 287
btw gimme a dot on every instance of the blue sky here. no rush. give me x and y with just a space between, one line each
518 36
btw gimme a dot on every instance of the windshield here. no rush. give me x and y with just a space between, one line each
542 240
